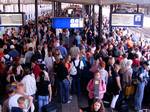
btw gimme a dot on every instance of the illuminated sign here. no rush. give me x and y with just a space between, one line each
67 23
127 20
11 19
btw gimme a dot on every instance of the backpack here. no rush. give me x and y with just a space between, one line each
7 60
78 68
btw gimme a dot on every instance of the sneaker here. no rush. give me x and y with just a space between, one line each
68 101
70 97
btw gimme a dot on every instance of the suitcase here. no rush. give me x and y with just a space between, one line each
121 104
51 107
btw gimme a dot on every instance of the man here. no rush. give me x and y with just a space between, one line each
13 53
78 65
63 50
29 82
74 51
143 76
78 39
28 56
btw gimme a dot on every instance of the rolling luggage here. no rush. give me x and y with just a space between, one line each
51 107
122 105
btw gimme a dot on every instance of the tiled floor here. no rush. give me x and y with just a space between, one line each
71 107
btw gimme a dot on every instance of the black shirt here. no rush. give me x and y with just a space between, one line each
42 88
60 70
114 84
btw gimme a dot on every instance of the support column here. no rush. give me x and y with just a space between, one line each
110 18
53 9
137 8
4 8
100 21
93 18
18 5
59 8
36 16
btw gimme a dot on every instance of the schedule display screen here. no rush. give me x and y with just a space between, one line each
67 23
127 20
11 19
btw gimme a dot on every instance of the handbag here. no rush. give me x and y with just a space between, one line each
129 90
135 81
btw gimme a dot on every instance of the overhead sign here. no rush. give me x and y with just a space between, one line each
127 20
11 19
67 23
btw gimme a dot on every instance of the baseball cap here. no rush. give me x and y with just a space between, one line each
12 46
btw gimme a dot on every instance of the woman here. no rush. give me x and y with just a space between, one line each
97 106
96 87
116 85
127 76
44 91
62 80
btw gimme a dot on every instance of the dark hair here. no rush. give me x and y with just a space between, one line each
20 99
5 51
30 49
42 75
102 108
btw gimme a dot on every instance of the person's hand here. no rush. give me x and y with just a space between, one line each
80 110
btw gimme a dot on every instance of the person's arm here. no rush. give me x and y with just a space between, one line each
65 51
89 86
104 88
130 77
118 82
50 92
80 110
107 75
81 65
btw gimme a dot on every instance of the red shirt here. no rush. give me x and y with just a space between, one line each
136 62
37 71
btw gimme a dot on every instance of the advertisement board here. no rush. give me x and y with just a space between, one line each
11 19
67 23
127 20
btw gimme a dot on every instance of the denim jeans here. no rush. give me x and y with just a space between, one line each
42 100
76 86
64 86
139 95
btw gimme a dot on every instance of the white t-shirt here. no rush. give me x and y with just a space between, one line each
13 101
30 84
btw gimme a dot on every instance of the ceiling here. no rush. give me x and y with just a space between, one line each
105 2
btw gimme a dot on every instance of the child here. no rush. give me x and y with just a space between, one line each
21 105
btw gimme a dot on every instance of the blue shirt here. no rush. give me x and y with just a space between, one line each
63 51
14 53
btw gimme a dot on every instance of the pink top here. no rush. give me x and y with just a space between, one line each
90 88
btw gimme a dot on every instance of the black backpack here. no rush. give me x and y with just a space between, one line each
7 61
78 68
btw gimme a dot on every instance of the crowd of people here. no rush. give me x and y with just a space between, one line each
39 67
